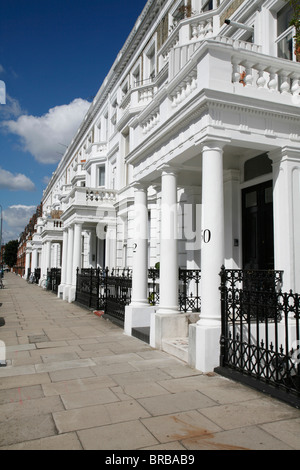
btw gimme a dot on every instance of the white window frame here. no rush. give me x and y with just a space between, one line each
99 168
288 32
137 71
150 71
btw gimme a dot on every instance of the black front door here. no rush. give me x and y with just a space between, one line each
258 231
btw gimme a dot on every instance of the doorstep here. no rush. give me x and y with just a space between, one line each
142 333
177 347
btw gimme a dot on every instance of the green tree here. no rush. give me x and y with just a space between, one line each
11 253
295 21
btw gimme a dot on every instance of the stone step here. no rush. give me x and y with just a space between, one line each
142 333
177 347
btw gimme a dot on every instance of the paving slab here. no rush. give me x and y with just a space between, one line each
87 398
285 431
77 385
71 374
28 406
175 402
27 429
248 438
250 412
98 415
59 365
68 441
179 426
23 380
122 436
13 395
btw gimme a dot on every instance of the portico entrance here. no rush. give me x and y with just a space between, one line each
258 231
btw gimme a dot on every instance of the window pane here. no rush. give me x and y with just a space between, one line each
251 199
268 195
208 5
284 17
257 166
285 47
102 176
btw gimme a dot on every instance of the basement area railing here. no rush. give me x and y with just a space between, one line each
99 288
260 340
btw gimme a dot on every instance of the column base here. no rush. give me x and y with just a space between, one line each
168 310
137 317
165 326
60 291
72 294
65 292
204 346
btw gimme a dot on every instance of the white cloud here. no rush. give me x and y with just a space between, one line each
2 70
12 109
15 219
43 136
15 182
46 180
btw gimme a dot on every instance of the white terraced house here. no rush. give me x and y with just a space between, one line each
187 160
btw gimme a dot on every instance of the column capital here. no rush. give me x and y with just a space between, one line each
285 153
213 143
139 186
78 223
168 169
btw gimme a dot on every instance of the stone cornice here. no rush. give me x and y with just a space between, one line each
204 103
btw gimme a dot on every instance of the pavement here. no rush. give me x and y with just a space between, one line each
75 381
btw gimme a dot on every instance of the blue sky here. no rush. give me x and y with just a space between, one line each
54 56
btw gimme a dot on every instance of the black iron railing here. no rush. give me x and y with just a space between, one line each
189 298
118 288
189 290
111 290
260 328
90 287
37 275
53 279
153 286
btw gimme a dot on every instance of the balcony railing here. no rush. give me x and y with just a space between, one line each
82 196
53 224
96 149
233 66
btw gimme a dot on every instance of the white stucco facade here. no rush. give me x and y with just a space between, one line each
196 121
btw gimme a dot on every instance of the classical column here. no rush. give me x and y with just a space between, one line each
27 263
70 256
77 251
34 260
46 259
111 246
168 248
140 248
48 256
286 203
204 336
64 257
212 250
232 207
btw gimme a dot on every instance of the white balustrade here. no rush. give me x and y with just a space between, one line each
146 94
201 28
184 89
96 148
100 196
266 73
151 122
